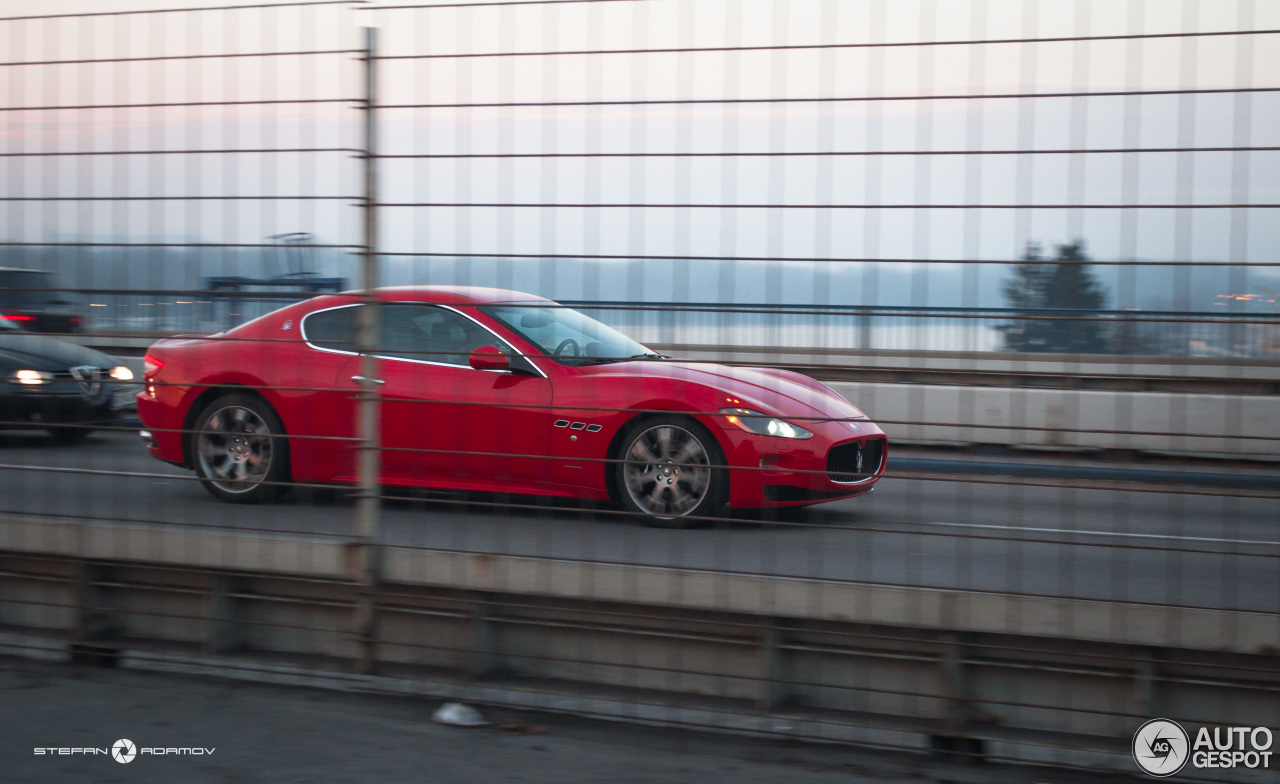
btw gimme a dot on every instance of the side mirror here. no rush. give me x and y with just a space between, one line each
489 358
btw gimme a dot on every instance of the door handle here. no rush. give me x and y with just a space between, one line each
362 379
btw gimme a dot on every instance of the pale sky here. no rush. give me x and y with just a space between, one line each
1212 120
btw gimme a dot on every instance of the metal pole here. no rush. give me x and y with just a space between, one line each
368 502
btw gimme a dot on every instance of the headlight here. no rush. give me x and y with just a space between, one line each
121 373
763 425
32 377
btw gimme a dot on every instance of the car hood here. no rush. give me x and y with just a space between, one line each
36 352
768 390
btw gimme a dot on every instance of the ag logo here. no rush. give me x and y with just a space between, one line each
124 751
1160 747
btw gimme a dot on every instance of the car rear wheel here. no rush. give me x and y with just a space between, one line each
239 451
670 470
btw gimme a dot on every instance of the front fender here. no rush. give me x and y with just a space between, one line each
580 456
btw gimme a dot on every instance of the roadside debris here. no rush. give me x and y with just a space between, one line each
455 714
518 727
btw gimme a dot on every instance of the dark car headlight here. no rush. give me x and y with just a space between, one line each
763 424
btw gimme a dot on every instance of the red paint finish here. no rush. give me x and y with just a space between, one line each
447 424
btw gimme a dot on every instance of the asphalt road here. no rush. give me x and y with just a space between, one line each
1217 551
274 734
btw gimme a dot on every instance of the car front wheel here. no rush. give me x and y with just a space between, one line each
670 470
239 451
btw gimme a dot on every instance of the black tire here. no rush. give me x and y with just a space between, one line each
70 435
239 451
681 484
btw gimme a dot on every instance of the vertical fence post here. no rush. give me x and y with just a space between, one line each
367 502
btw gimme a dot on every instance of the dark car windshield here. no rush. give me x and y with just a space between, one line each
566 335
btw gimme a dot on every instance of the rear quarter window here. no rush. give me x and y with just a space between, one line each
331 329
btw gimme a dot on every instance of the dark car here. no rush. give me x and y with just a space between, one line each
58 386
29 299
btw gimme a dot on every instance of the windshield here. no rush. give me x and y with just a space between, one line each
566 335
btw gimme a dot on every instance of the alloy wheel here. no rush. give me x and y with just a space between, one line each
234 449
667 471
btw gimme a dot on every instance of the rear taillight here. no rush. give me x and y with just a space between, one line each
150 367
16 317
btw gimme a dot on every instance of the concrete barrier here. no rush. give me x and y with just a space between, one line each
1013 677
329 558
1196 425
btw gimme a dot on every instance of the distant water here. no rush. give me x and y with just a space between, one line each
895 337
831 331
834 331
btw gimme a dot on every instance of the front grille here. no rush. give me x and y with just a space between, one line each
842 461
66 383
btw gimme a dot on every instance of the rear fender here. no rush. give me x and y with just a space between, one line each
199 396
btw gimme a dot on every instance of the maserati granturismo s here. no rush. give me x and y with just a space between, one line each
492 390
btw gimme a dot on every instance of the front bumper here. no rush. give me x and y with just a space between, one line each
767 471
24 409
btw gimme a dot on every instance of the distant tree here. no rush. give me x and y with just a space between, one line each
1025 292
1063 290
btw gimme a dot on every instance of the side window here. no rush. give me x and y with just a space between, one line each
331 329
430 334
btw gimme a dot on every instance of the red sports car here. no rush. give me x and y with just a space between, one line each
494 390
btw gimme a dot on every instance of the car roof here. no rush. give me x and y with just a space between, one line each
450 295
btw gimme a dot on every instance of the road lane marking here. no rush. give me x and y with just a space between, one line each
1085 532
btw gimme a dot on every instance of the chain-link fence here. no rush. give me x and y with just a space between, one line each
1032 245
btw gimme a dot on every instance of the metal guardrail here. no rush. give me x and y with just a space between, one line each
1222 336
